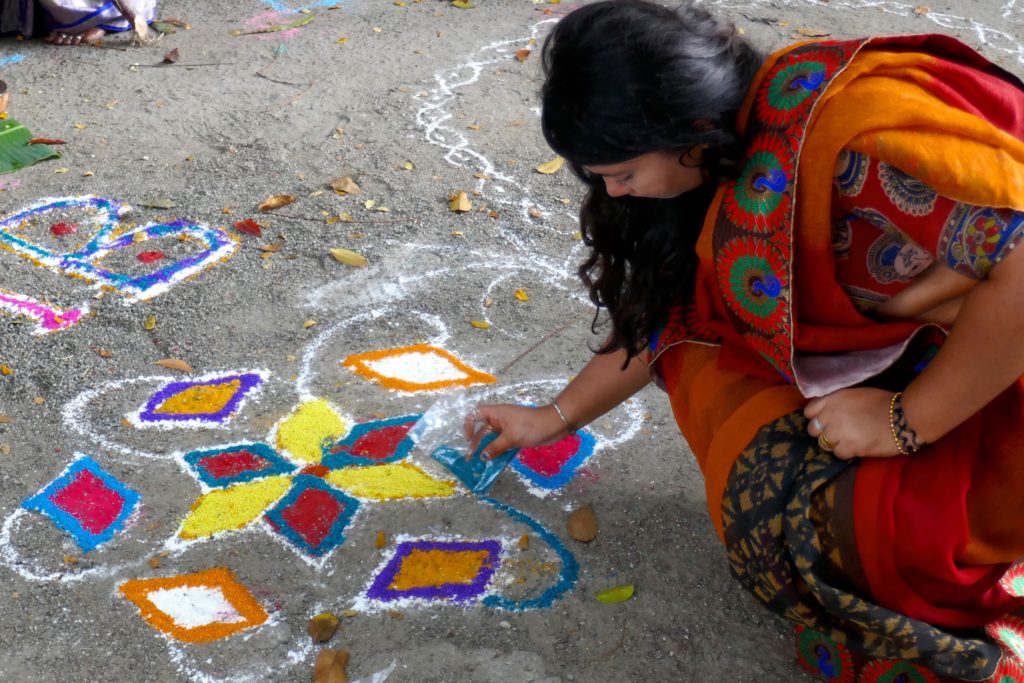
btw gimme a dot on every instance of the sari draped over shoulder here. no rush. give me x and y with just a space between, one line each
892 558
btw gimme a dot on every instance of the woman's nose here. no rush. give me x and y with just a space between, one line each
616 188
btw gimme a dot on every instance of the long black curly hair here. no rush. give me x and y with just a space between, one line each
628 77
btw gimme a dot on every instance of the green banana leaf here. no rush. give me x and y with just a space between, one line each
15 153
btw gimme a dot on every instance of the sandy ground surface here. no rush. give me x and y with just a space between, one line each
421 100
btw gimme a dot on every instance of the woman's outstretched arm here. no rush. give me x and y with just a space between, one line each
601 385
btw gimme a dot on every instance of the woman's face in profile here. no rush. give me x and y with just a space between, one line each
655 175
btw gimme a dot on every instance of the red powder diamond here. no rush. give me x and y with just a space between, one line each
90 501
227 465
312 515
380 443
549 460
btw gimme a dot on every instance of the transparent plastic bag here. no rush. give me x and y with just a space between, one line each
440 434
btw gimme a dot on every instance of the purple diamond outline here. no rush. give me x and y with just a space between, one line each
248 381
457 592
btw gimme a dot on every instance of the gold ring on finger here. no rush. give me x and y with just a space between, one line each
825 443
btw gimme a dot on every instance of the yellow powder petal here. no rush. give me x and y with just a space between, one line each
232 508
304 433
200 399
388 482
436 567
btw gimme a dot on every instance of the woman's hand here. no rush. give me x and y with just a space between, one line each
855 420
517 427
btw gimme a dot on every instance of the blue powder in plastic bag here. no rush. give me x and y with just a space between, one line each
475 473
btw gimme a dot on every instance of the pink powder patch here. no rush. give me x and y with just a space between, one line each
89 501
150 256
270 19
226 465
380 443
61 229
549 460
312 515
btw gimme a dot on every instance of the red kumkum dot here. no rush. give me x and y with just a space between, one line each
150 256
63 229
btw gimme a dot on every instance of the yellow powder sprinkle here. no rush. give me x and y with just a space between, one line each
436 567
200 399
232 508
313 424
388 482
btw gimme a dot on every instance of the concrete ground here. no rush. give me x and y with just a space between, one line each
110 477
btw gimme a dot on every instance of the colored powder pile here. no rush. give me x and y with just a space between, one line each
388 482
200 399
196 608
437 567
232 508
304 433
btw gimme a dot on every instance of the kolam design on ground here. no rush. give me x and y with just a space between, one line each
87 502
206 401
196 608
419 367
311 487
85 261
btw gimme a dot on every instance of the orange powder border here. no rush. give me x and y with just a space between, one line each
358 364
219 577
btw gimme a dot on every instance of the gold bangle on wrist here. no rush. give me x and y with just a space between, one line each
568 425
892 423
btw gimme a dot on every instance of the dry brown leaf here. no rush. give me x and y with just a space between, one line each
5 448
349 257
4 419
535 212
175 364
345 185
488 302
322 627
549 167
330 667
381 540
524 542
459 203
582 524
396 615
813 32
104 353
921 10
273 247
39 400
154 562
126 423
71 559
523 54
276 202
473 126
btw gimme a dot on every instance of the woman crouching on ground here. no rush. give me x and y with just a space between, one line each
814 254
